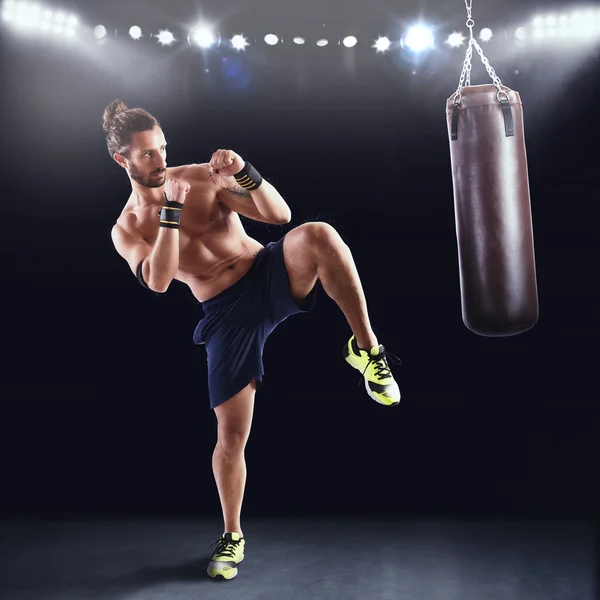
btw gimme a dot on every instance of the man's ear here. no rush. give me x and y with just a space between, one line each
119 158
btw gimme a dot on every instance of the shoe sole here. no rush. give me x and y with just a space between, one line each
230 574
220 576
348 358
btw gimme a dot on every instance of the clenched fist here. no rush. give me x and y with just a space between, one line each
226 163
176 190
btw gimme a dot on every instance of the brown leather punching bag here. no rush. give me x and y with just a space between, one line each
492 210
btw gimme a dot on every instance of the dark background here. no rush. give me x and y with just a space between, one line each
104 395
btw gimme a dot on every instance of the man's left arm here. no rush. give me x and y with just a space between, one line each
247 193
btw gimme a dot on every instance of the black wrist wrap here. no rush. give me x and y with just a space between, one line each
248 178
170 214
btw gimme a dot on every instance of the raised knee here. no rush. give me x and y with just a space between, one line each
321 235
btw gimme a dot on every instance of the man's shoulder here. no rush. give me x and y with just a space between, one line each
189 171
126 221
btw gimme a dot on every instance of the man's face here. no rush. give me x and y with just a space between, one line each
148 158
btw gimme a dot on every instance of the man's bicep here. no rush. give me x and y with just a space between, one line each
131 246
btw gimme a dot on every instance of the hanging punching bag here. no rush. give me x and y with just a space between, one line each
492 207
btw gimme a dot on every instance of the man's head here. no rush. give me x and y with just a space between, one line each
136 142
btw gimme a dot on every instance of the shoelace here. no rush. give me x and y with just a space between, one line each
222 547
382 368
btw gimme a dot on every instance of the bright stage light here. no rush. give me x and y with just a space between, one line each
70 31
456 39
100 32
135 32
299 40
521 34
322 42
350 41
271 39
31 15
486 34
382 44
418 39
239 42
538 22
550 21
203 36
26 15
165 37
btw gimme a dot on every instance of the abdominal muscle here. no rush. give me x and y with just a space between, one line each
211 264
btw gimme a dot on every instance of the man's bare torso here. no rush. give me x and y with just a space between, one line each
214 249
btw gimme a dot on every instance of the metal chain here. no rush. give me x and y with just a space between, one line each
465 76
490 69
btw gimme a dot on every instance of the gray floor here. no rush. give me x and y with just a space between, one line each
298 559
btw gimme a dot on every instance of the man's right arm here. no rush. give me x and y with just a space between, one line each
160 262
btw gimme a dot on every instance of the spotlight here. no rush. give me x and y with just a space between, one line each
551 21
418 39
486 34
577 17
100 32
521 34
563 20
72 21
299 40
271 39
165 37
322 42
382 44
538 34
455 40
239 42
26 15
135 32
70 31
203 36
538 22
350 41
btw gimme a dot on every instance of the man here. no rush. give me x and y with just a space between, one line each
183 223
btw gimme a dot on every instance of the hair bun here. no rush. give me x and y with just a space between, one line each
111 111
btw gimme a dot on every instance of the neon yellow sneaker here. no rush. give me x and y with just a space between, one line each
227 556
373 364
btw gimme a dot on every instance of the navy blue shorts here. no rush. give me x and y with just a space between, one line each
238 321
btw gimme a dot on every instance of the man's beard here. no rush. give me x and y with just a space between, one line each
149 181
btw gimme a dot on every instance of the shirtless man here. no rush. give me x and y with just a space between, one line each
183 223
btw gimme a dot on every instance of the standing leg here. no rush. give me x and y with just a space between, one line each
229 465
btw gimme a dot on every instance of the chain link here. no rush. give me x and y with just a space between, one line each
465 76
